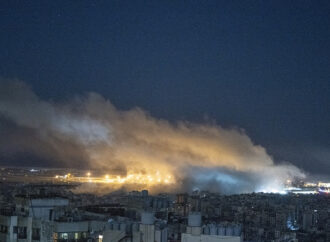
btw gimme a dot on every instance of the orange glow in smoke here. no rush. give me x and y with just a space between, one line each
156 178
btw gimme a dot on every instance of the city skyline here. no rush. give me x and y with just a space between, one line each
164 121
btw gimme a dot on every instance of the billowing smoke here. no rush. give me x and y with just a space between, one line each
88 131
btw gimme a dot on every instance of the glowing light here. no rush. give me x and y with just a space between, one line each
274 190
292 189
148 179
324 190
323 184
304 192
310 184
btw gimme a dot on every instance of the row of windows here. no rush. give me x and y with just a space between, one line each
77 236
21 232
58 237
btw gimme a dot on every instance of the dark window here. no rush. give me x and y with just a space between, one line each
84 235
50 214
3 229
35 233
15 229
22 233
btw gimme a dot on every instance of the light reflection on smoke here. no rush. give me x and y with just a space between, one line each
123 143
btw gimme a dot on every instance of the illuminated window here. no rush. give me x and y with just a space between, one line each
100 238
64 236
77 235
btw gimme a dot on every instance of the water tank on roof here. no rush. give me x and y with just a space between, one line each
237 230
213 229
147 218
221 230
194 220
229 230
206 229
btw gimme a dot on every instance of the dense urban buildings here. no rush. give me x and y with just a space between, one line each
52 211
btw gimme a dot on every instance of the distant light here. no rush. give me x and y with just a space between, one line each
88 174
274 191
304 192
323 184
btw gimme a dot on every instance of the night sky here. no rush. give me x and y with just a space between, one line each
262 66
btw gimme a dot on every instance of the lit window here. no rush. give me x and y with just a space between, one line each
64 236
100 238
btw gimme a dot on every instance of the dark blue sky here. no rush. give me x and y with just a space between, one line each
263 66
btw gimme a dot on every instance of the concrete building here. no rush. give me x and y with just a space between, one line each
41 207
307 220
209 233
127 231
32 219
78 230
27 229
45 218
119 231
149 231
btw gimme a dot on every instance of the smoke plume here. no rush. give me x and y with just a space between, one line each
90 132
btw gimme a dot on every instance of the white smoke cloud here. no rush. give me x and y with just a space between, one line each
197 155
